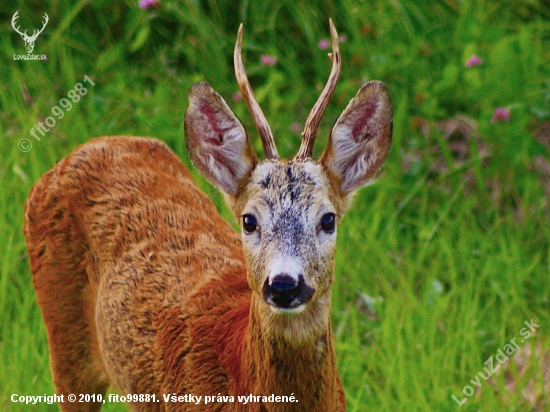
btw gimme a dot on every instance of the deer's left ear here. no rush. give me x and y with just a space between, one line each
360 139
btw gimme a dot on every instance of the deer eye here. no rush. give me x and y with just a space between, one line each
249 223
328 222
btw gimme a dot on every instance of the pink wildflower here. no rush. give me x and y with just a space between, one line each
148 4
473 60
296 127
343 38
323 44
267 60
501 114
237 97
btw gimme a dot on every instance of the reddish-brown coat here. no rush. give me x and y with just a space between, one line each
143 286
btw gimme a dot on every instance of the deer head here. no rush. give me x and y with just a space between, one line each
289 210
29 40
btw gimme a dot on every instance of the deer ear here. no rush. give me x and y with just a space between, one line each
216 140
360 139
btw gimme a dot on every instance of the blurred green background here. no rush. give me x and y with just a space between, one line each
439 263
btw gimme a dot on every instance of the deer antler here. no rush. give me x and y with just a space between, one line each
314 119
14 18
248 95
37 32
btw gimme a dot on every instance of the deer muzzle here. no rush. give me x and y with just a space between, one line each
286 293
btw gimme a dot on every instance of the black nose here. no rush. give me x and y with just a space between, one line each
282 283
285 292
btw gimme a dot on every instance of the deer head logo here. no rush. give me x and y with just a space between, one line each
29 40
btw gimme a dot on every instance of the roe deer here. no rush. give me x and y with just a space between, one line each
144 287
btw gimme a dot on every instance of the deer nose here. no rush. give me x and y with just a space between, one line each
282 283
283 291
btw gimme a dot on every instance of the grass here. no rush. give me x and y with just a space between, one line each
439 263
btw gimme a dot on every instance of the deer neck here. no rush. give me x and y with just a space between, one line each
293 355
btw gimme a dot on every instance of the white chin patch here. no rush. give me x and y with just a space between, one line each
288 311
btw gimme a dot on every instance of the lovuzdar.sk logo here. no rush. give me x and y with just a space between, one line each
29 40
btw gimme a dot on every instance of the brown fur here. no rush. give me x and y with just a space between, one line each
143 286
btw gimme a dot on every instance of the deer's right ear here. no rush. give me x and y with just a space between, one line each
216 140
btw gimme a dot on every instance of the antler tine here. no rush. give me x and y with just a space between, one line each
13 22
248 95
36 32
314 119
46 20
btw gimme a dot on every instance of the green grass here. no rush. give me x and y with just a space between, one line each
439 263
